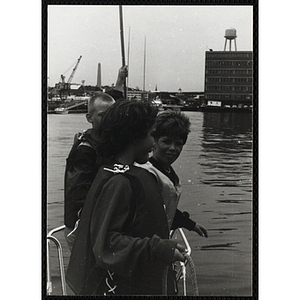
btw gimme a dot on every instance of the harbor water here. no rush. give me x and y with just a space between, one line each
215 169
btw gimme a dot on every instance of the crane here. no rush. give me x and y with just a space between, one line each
65 86
73 72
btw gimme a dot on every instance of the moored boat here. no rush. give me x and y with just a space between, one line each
61 110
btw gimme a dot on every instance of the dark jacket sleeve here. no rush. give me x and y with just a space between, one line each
117 95
182 219
80 173
113 249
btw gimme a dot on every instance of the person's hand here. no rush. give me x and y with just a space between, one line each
123 72
178 256
200 230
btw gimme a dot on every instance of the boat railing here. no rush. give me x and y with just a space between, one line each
51 237
180 275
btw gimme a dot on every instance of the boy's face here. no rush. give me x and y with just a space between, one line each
167 150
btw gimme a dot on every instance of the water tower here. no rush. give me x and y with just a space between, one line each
230 34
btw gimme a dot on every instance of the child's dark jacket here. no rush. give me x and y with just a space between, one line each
123 229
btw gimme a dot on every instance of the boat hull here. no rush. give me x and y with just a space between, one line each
61 111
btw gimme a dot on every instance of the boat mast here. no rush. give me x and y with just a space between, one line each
122 45
144 64
128 58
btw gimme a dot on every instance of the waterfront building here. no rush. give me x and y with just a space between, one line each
137 95
228 79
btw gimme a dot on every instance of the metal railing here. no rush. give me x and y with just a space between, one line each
181 274
51 237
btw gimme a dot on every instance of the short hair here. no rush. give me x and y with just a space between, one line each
124 123
173 124
99 96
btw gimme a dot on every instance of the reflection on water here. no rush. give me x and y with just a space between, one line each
226 163
227 246
215 168
227 151
216 172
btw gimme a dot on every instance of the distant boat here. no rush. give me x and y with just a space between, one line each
61 110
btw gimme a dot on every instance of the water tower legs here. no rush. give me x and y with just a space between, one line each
225 45
230 40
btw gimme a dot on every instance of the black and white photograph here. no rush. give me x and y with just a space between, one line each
150 150
236 172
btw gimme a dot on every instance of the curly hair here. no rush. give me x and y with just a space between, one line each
173 124
122 124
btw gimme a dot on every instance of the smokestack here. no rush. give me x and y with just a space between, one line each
99 76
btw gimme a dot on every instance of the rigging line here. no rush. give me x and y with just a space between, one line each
70 68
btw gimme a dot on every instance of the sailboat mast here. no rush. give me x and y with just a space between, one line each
122 45
144 64
128 48
128 58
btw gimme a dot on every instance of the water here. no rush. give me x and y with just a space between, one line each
215 168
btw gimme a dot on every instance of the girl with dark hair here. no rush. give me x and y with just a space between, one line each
122 244
125 123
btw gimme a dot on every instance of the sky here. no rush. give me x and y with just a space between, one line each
176 38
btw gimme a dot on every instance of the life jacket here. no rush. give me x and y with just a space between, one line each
170 192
